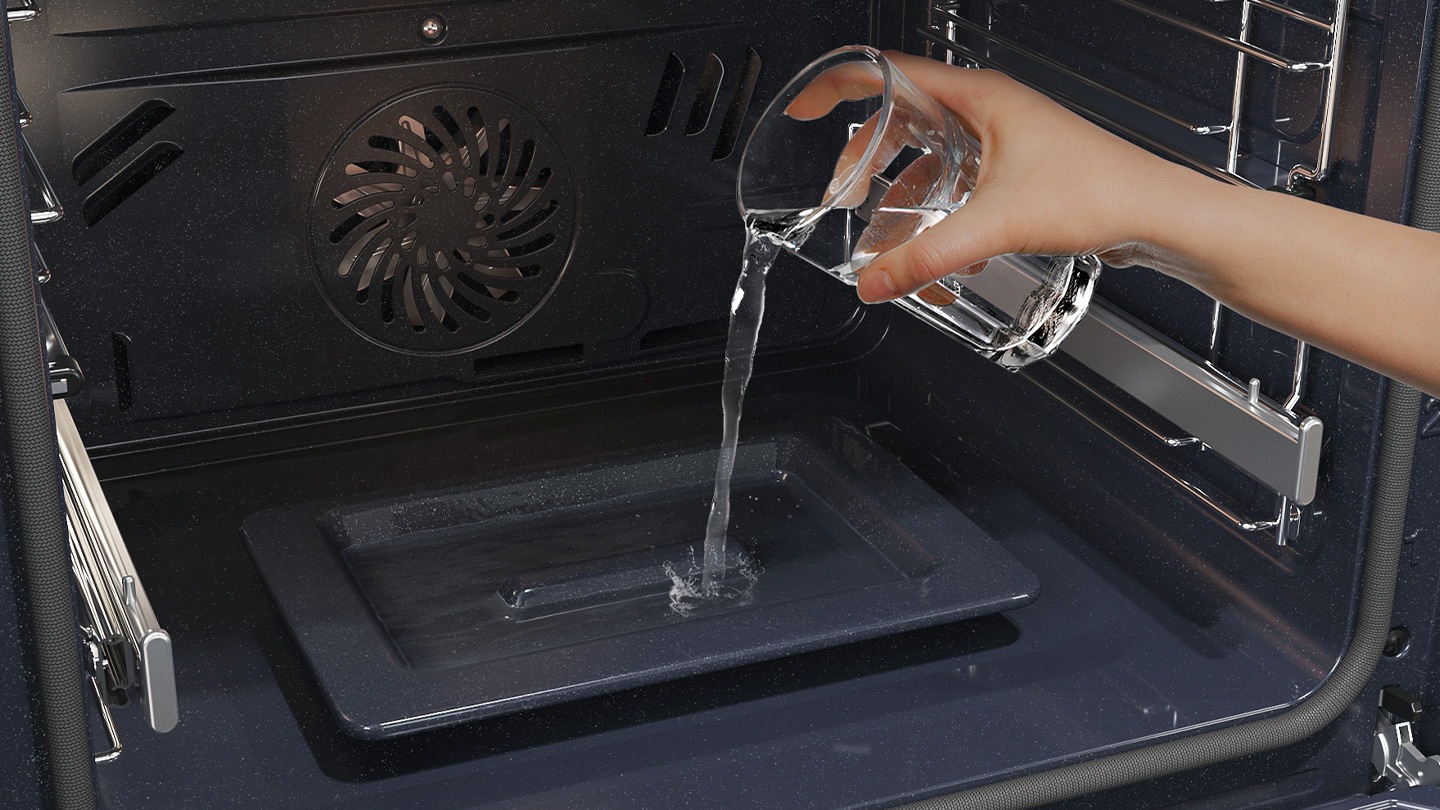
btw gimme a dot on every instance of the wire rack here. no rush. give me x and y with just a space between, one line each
952 27
966 32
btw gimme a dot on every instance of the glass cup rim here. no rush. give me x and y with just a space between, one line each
882 125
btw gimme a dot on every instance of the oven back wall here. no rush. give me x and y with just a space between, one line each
274 211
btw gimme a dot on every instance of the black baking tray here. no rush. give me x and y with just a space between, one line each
426 609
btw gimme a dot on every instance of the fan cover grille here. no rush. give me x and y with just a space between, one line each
442 220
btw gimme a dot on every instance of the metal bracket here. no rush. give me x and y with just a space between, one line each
135 649
98 664
44 203
1269 443
64 372
961 38
1394 755
21 10
1275 442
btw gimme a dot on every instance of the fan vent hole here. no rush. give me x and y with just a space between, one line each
362 192
502 148
536 220
120 351
452 128
534 246
379 167
437 146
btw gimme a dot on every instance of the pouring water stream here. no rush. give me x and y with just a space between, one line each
766 235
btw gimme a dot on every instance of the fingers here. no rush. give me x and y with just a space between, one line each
975 94
961 242
893 221
964 89
849 82
860 80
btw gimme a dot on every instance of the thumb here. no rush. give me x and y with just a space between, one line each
961 241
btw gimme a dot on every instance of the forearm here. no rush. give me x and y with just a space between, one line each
1356 286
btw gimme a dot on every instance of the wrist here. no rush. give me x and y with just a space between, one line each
1178 218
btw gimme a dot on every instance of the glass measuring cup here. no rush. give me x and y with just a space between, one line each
884 164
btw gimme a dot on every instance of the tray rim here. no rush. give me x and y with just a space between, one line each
319 601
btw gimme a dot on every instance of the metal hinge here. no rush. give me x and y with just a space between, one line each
1395 756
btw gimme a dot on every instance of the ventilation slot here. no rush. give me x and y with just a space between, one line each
129 180
126 132
120 350
705 95
531 361
734 119
665 96
686 335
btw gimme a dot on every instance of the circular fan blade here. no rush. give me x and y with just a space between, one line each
442 220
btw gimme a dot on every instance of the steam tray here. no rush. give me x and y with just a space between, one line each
427 609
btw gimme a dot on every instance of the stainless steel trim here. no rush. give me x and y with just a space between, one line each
1283 526
1231 516
1276 448
955 21
109 585
945 20
157 657
47 208
1237 97
1336 60
1239 45
21 10
1099 118
116 747
1217 333
1294 14
1258 437
1297 376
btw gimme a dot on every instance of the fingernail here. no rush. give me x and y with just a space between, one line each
876 286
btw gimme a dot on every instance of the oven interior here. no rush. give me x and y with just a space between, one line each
313 438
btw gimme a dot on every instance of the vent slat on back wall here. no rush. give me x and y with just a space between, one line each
129 180
709 86
710 78
739 105
111 145
665 96
538 360
116 140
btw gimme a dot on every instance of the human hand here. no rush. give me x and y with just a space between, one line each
1049 182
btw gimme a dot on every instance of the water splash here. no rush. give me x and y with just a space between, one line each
688 592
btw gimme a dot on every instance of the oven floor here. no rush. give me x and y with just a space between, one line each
1096 662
